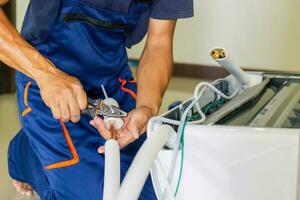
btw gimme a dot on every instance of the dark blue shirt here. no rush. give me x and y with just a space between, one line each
172 9
161 9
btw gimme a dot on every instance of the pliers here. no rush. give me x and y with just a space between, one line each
98 107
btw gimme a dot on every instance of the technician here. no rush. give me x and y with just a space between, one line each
67 49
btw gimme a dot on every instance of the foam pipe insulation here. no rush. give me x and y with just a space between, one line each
137 174
112 170
221 56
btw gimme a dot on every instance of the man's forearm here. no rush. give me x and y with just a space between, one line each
18 54
63 94
153 75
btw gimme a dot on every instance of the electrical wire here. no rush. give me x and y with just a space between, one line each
203 116
203 86
106 97
199 90
182 159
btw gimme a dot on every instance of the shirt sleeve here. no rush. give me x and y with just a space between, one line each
172 9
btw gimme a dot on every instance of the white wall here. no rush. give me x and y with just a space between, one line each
20 11
261 34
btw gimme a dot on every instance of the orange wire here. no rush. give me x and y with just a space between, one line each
127 90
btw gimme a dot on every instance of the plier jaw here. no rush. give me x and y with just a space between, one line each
98 107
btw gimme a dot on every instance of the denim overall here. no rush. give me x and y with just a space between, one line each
86 39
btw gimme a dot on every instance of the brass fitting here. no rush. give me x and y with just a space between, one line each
218 53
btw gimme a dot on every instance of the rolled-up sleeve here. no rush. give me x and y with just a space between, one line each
172 9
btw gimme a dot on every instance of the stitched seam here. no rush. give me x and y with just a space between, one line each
72 149
28 108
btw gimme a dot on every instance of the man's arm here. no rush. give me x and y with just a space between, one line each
156 64
61 92
153 75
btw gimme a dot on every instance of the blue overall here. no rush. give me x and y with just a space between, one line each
86 39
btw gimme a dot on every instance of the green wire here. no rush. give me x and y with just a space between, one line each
195 117
182 157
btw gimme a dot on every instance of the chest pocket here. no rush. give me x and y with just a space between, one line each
118 6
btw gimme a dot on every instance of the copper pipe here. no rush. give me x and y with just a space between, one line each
218 53
113 131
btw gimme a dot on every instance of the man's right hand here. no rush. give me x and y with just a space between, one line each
63 94
60 92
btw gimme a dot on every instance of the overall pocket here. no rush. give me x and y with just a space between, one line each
101 37
107 25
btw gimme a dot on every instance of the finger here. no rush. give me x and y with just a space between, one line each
123 132
127 120
29 193
100 126
127 133
135 132
55 111
124 141
64 109
27 187
74 109
101 150
92 122
54 106
16 184
23 188
81 98
28 190
133 129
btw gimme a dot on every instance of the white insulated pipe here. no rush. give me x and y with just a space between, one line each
112 170
137 174
221 56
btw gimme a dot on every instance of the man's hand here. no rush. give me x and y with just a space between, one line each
63 94
135 124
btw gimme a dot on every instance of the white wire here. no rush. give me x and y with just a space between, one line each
197 95
153 121
104 91
106 97
203 86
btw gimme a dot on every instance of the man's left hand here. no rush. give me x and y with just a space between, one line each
135 124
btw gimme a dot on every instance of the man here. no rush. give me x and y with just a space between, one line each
68 49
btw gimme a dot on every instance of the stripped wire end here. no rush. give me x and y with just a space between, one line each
218 53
